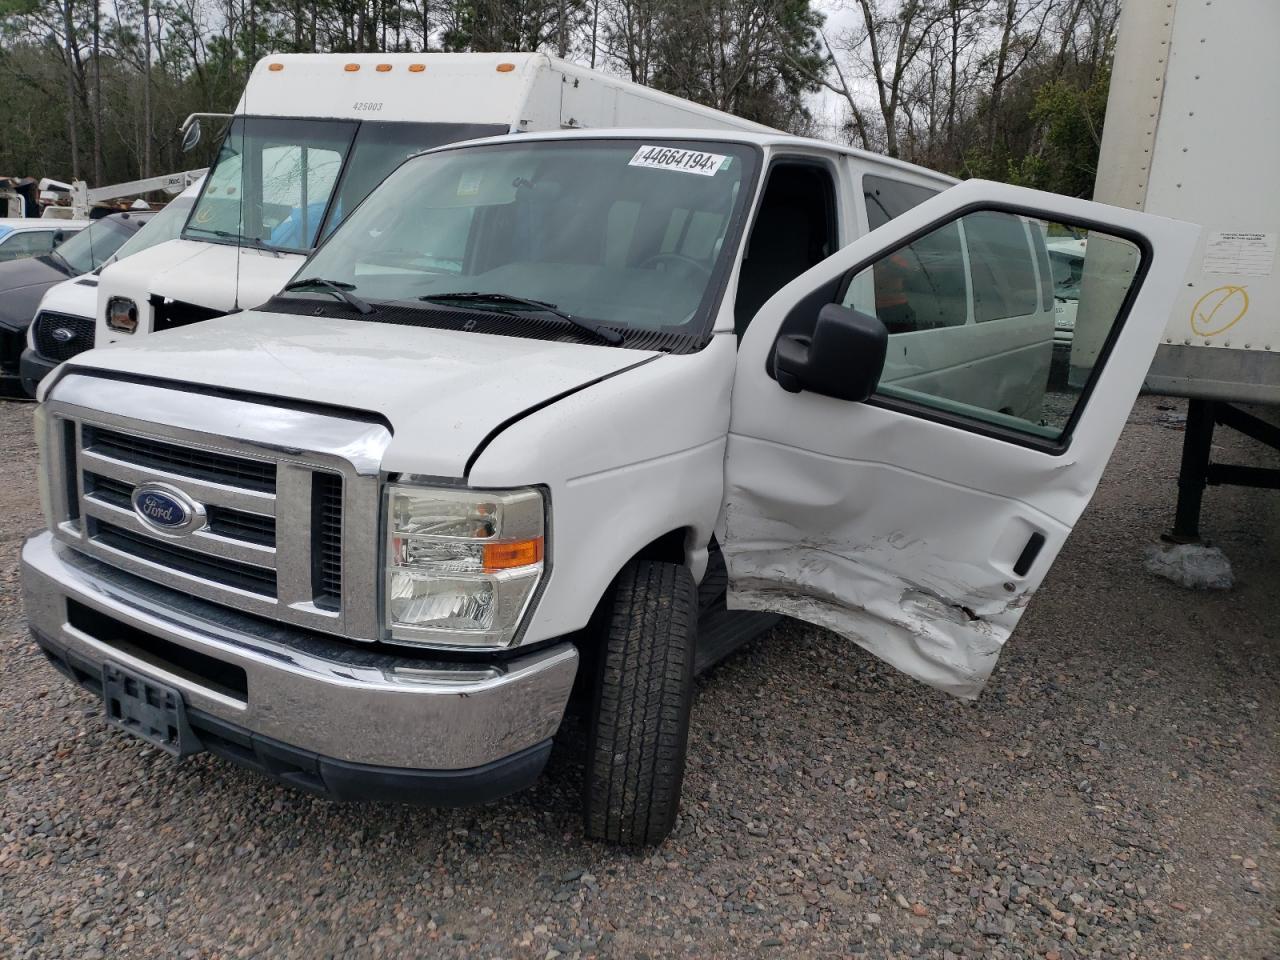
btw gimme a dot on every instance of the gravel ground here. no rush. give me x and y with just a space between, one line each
1113 794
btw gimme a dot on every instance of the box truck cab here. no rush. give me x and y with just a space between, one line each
557 419
314 133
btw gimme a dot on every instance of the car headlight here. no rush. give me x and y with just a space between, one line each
461 565
122 315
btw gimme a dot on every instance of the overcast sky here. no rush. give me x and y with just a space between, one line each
828 108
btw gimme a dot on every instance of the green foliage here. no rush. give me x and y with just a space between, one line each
1067 123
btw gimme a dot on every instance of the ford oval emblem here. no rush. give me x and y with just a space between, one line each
167 509
62 334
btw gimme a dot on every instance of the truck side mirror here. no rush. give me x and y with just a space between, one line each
191 136
843 358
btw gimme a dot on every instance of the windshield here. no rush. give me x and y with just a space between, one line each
627 232
91 247
164 226
381 147
271 182
284 182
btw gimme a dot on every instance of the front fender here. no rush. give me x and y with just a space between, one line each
626 461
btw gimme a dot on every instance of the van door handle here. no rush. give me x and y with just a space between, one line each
1029 553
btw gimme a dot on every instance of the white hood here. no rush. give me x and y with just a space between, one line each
77 297
214 275
443 392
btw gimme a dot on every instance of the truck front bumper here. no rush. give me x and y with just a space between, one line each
341 719
32 368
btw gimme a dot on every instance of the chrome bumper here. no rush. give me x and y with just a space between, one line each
342 701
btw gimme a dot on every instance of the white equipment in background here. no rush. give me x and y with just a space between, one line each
1183 138
313 134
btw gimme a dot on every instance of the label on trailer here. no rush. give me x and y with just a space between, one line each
1240 253
685 161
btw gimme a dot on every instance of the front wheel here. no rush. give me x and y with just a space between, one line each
639 722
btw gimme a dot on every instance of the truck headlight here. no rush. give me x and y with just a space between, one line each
122 315
461 565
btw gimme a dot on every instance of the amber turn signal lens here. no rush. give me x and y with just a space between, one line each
351 67
504 556
275 67
506 67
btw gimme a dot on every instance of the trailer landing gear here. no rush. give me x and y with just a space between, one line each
1198 471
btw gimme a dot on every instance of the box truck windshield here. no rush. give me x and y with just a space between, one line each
285 182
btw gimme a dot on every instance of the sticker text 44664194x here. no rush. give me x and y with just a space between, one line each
684 161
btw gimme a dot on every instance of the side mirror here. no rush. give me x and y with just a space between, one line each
191 136
843 358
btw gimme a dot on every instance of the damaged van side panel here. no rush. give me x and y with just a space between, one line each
922 538
936 602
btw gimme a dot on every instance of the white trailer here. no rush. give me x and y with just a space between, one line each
314 133
1192 132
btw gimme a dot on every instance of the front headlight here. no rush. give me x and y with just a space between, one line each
122 315
461 565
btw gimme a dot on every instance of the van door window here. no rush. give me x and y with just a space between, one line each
795 228
986 355
921 287
1002 266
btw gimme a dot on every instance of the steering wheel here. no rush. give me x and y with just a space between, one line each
676 258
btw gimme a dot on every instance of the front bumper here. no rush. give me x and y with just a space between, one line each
33 368
316 712
12 343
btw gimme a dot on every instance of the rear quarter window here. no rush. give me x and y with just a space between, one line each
886 199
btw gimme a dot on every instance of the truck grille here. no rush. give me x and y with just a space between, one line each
326 511
275 538
190 462
60 336
242 576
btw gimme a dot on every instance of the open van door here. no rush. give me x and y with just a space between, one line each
903 463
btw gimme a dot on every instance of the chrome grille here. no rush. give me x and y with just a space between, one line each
242 576
278 537
188 461
326 520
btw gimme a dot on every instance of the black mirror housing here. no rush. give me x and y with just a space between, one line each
843 358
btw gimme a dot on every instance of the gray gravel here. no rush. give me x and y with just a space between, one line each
1113 794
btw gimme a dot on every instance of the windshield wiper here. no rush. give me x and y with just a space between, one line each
256 242
339 289
507 300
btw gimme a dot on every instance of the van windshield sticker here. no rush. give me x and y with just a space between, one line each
685 161
469 183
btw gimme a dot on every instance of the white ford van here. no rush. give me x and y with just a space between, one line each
539 422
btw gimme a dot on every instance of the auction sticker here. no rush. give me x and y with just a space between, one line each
685 161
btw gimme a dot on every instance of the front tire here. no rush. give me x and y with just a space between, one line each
639 722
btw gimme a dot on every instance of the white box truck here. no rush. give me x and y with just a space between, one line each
312 134
1192 131
554 421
